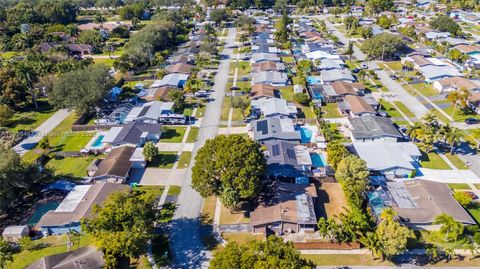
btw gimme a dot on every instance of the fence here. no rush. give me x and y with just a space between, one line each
84 128
326 245
68 154
140 78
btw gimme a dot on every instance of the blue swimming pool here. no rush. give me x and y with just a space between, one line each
317 95
318 160
98 141
375 202
305 135
41 210
312 80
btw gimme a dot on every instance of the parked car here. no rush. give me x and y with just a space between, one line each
355 71
472 121
394 77
364 65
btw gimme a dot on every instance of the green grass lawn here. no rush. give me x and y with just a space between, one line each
72 167
174 190
459 186
173 134
390 109
163 160
227 102
184 159
459 164
105 61
44 247
154 190
288 59
244 85
287 93
308 112
30 118
298 80
344 260
244 68
331 111
396 66
425 89
474 210
460 114
404 109
10 54
200 111
192 134
433 161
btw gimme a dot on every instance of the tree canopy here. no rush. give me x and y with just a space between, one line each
122 226
230 167
81 89
444 23
271 253
382 46
352 173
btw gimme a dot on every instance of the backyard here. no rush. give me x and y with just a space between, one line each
70 167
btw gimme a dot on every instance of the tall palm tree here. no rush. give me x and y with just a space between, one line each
430 119
458 97
453 138
449 226
372 242
415 131
26 74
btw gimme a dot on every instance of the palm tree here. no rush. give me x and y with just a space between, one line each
453 138
372 242
415 131
327 228
458 97
430 119
476 136
449 226
26 74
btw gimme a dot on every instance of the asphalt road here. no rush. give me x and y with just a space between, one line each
186 231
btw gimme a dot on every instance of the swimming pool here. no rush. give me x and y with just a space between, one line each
317 95
318 160
305 135
376 203
312 80
98 142
41 210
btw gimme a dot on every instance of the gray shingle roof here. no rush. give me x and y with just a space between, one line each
275 128
372 127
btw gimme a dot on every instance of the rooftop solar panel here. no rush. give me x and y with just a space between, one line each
276 150
262 126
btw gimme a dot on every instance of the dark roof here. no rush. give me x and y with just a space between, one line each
370 127
132 131
82 258
274 128
79 48
117 163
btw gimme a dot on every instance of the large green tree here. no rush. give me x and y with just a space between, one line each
230 167
352 173
81 89
122 226
444 23
383 46
392 235
271 253
336 151
449 227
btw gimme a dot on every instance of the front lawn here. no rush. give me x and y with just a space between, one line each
184 159
173 134
28 119
244 68
287 93
288 59
71 167
459 186
154 190
46 246
230 217
425 89
106 61
474 210
174 190
344 260
404 109
390 109
433 161
163 160
227 103
459 164
192 134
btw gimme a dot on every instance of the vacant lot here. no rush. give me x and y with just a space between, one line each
332 197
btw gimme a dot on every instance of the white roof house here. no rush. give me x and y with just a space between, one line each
321 55
395 158
437 35
273 107
149 112
329 64
273 78
329 76
435 72
172 80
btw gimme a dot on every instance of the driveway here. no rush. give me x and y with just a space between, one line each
158 176
187 231
42 130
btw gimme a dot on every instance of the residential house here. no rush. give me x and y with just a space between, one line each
321 55
434 35
456 83
261 90
161 93
336 91
432 73
77 204
330 64
274 128
79 50
330 76
268 66
418 202
392 159
84 257
273 78
287 159
474 102
264 57
355 106
149 112
270 107
181 68
133 134
172 80
468 49
454 41
115 168
371 128
287 208
264 48
15 233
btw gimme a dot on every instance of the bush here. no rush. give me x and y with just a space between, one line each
301 98
463 198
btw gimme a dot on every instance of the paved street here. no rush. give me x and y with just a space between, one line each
46 127
186 230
